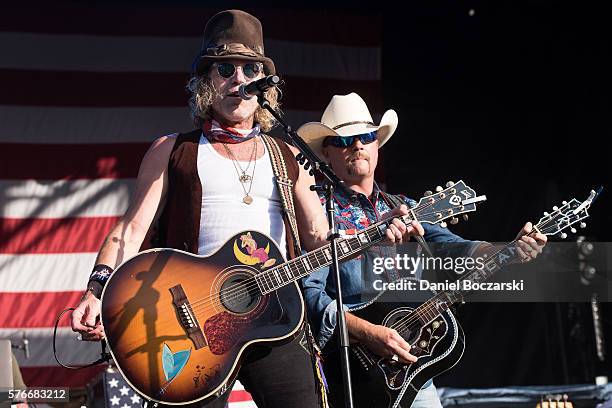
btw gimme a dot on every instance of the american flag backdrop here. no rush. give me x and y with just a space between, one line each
118 394
84 90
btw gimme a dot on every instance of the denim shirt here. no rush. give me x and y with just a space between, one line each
356 275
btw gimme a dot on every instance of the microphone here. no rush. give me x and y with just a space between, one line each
247 91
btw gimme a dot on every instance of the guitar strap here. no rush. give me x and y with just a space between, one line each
395 200
285 190
392 200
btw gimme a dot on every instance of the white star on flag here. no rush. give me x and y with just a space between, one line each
113 382
125 406
135 399
124 391
115 400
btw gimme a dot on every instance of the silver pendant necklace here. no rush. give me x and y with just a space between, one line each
243 177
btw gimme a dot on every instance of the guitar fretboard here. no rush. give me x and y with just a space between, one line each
455 200
430 309
281 275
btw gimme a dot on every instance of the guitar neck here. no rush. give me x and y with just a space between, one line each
433 208
444 299
288 272
503 257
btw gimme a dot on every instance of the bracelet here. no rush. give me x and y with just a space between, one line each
97 279
101 273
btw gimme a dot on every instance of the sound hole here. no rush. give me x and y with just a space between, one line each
239 293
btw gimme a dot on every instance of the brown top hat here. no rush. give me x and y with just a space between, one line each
232 34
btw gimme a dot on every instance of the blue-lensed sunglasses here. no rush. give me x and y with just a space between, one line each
347 141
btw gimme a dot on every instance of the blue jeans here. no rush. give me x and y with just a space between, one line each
427 397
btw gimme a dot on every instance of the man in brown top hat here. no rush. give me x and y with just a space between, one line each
196 190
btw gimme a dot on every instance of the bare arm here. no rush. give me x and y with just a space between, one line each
124 240
311 219
126 237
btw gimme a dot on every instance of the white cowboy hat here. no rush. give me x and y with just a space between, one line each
347 115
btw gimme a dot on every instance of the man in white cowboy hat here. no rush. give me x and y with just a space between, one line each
348 139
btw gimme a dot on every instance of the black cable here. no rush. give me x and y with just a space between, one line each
104 355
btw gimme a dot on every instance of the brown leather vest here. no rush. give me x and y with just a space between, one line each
178 225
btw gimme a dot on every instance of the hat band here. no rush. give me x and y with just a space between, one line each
357 122
234 48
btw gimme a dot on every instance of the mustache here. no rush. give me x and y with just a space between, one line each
359 155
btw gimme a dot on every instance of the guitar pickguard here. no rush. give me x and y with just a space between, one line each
224 330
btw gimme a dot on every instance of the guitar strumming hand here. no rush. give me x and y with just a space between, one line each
382 340
86 318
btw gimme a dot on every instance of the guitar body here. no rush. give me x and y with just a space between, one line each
379 382
178 324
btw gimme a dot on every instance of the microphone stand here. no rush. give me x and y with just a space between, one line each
311 161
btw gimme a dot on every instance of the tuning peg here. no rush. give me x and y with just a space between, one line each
546 214
563 235
465 217
443 224
583 225
450 184
454 220
564 202
555 208
439 188
573 230
428 193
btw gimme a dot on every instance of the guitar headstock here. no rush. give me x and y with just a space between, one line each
570 213
456 199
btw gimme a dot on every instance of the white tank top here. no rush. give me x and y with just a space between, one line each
223 212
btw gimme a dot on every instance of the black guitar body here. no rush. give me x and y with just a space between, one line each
437 340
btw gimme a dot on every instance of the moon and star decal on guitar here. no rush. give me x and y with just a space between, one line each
254 254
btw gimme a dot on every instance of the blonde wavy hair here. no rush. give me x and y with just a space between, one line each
203 93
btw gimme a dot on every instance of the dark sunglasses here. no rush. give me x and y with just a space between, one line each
347 141
250 69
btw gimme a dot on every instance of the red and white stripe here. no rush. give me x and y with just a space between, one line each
85 90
